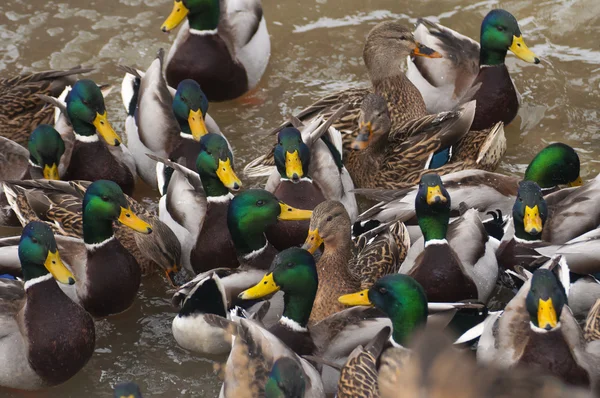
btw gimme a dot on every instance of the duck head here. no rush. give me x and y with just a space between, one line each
46 148
330 224
190 106
545 301
286 379
215 166
530 212
202 14
87 112
292 156
373 122
500 32
556 164
432 205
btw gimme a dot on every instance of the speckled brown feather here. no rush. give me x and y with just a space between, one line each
592 323
21 110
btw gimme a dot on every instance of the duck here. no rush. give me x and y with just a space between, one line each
345 266
557 165
439 141
445 265
470 71
127 390
163 121
255 364
83 114
199 206
539 317
386 47
47 338
42 159
100 254
60 204
222 45
21 108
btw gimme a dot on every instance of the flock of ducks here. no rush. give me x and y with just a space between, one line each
308 292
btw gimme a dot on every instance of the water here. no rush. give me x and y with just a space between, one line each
316 48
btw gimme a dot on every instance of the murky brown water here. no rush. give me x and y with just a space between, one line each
316 47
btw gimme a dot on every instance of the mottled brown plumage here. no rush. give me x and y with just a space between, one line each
21 110
592 323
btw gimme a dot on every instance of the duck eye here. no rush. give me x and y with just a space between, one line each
259 203
501 28
290 265
382 290
329 218
105 198
34 240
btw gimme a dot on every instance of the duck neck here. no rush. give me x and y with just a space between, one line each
208 19
247 239
337 253
83 129
213 186
297 307
434 225
96 229
489 57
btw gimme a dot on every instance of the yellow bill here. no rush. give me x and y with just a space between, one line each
532 220
263 288
577 182
547 318
313 241
520 49
364 136
290 213
360 298
227 175
51 172
177 15
58 270
197 124
129 219
434 195
105 130
293 165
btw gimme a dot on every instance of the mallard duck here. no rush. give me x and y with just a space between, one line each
84 113
441 141
161 120
250 368
555 165
127 390
199 208
99 254
22 110
386 46
469 71
456 261
60 204
47 338
344 265
223 45
537 318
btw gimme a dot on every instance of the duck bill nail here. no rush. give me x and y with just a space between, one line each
51 172
290 213
520 49
313 241
435 195
293 166
227 175
422 50
197 124
59 271
547 318
177 15
360 298
105 129
263 288
532 221
363 137
129 219
576 183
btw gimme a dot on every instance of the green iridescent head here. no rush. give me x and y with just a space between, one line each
38 254
401 298
127 390
500 32
530 211
215 166
103 204
556 164
202 14
46 148
292 156
87 112
286 380
251 212
432 206
545 300
190 106
294 272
